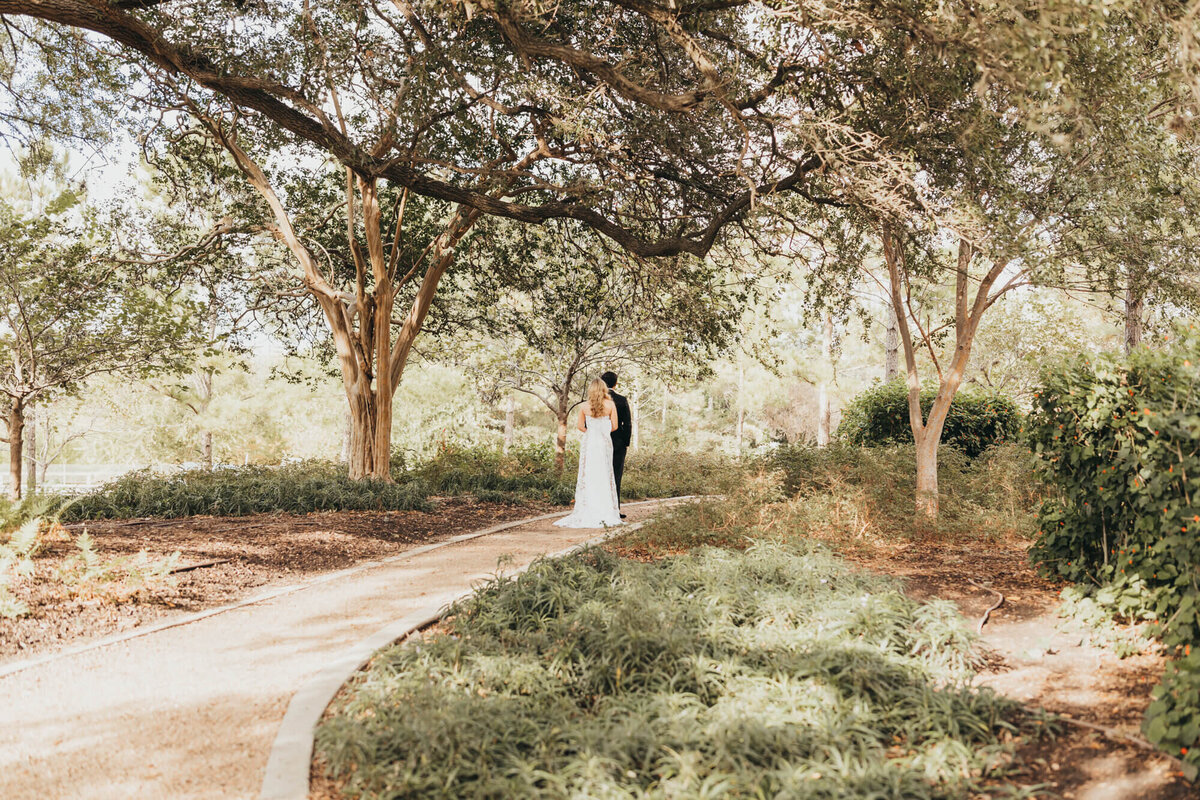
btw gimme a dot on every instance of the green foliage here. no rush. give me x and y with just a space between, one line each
1094 611
525 473
1120 440
296 488
1172 721
774 672
85 573
851 491
976 421
528 473
16 561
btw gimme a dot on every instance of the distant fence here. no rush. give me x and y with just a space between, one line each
72 478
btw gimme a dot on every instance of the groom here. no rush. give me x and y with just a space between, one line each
620 437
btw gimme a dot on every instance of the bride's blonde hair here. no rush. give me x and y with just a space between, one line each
597 394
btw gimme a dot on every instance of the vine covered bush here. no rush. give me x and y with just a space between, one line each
977 420
1120 440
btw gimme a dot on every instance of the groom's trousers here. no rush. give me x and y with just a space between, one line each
618 467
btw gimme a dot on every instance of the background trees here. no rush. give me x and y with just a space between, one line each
567 308
70 311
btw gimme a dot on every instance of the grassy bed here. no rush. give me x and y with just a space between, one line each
527 475
295 488
773 671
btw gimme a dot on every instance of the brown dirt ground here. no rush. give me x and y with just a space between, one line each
262 549
1046 662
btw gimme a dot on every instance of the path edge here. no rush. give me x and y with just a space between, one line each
289 765
13 667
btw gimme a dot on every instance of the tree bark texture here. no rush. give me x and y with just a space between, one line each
510 421
824 417
31 453
560 441
891 347
1135 302
741 415
16 442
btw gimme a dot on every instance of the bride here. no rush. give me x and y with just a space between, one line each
595 489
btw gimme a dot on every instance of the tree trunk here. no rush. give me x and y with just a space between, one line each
510 421
662 416
361 461
31 453
1134 304
927 479
206 450
741 415
347 436
635 417
370 358
16 441
927 431
560 442
891 347
823 413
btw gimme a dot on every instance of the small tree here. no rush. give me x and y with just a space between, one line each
580 309
69 312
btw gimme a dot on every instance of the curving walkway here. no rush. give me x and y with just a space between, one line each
192 711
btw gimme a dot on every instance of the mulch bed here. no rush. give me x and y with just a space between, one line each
262 549
1073 763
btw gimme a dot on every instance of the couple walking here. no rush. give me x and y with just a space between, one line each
605 422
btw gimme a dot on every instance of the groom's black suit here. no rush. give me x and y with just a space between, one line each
620 437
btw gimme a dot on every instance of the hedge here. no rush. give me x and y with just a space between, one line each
1120 439
976 421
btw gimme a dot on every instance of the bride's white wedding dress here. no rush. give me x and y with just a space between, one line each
595 488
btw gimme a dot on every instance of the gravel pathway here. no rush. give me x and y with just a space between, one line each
192 711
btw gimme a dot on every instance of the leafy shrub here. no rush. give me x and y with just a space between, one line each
524 473
774 672
528 473
1119 438
296 488
1171 720
975 422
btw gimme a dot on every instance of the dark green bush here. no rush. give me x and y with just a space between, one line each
976 421
295 488
1120 440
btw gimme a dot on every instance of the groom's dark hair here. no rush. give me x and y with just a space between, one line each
610 379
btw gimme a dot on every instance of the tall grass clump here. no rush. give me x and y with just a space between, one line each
851 491
295 488
774 672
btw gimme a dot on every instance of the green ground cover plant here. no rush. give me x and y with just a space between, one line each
295 488
977 420
773 671
525 475
1119 439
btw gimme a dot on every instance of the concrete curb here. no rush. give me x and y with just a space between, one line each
290 762
279 591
